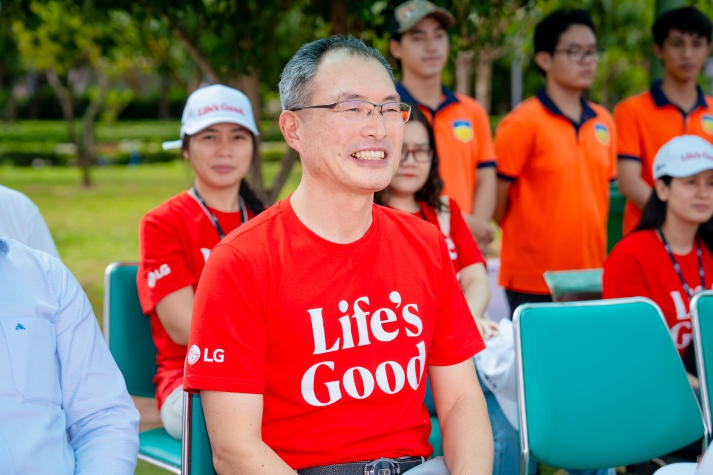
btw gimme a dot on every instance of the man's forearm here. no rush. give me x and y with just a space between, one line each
468 437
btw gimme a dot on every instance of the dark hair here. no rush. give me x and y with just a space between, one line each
430 192
251 200
654 215
549 30
686 20
295 84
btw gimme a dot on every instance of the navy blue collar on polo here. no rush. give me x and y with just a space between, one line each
448 95
587 111
661 100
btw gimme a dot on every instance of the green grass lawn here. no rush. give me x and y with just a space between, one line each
96 226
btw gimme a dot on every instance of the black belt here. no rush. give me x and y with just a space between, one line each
382 466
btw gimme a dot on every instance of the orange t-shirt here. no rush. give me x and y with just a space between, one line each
559 196
461 128
647 121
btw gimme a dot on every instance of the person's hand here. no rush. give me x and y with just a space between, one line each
691 379
483 232
487 328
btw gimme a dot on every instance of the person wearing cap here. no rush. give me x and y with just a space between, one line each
667 257
218 139
419 43
328 311
674 105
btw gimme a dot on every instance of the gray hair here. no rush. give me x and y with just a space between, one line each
299 71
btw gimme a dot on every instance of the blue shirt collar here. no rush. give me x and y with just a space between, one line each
661 100
587 111
3 246
449 97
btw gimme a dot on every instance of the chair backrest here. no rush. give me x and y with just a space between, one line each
196 454
702 320
574 285
127 330
600 384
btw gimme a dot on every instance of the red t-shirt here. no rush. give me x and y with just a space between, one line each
461 245
640 266
336 337
175 239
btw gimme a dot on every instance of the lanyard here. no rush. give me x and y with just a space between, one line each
211 216
677 268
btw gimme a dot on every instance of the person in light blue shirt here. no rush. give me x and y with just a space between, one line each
21 219
64 407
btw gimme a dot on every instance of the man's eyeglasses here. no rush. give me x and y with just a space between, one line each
360 111
420 154
577 55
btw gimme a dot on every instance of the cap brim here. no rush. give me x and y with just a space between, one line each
172 144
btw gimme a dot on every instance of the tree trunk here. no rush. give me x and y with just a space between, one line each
250 85
164 106
464 69
66 102
195 54
282 175
87 151
483 77
339 17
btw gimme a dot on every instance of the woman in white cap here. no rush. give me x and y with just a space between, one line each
218 138
668 256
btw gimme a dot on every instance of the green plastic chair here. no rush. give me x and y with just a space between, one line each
702 320
128 334
197 456
574 285
600 384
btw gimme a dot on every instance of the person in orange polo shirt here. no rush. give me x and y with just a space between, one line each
556 157
675 105
419 43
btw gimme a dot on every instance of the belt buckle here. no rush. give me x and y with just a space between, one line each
382 466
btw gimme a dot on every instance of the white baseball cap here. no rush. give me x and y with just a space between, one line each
682 156
212 105
496 368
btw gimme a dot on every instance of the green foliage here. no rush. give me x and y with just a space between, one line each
25 142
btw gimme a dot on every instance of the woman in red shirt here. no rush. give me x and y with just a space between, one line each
668 256
416 188
218 139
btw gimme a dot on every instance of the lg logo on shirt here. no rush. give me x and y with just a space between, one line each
153 275
194 354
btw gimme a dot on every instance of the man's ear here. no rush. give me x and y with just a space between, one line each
657 51
544 60
395 48
290 125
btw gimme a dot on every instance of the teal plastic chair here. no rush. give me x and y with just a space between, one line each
600 384
574 285
128 334
197 456
702 320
